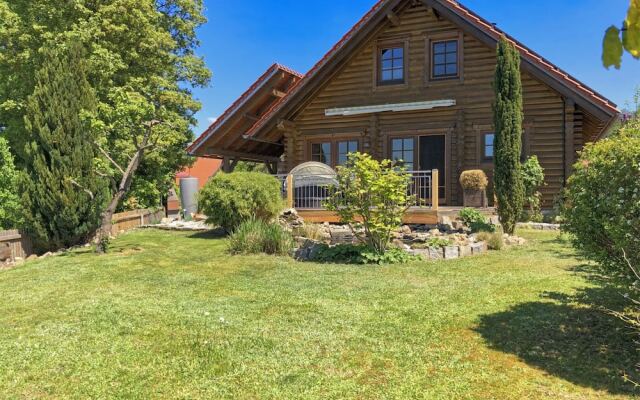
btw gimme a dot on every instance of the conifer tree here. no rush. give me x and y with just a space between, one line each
508 117
62 195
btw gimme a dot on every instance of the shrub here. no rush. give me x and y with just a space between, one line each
10 210
474 180
228 200
475 220
533 179
255 237
372 197
602 203
361 254
495 240
508 116
309 231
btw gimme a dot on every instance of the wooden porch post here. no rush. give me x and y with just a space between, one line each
435 190
290 190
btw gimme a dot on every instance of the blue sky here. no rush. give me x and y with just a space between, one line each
243 38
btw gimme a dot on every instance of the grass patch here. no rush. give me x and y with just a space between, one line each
172 315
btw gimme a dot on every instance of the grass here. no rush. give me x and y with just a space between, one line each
172 315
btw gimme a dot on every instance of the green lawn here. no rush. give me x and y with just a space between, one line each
169 315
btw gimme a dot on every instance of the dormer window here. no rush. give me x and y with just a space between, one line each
391 64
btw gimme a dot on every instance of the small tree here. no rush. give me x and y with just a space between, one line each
533 179
62 194
508 116
371 197
10 210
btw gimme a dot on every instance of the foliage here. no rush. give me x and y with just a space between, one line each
474 180
475 220
228 200
617 40
62 195
602 207
371 195
495 240
247 166
255 237
361 254
533 179
438 242
140 61
10 208
508 117
309 231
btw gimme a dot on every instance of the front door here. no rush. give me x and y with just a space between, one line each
433 156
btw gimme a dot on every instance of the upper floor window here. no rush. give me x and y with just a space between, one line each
444 59
321 152
402 151
487 146
346 148
391 65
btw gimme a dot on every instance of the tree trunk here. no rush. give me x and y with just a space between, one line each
104 233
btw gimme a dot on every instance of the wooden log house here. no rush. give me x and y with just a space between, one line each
412 80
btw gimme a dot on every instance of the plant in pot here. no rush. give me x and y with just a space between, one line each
474 184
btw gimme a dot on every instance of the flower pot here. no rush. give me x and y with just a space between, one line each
475 198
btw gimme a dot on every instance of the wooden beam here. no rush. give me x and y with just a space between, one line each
251 117
393 18
435 190
221 154
287 126
569 131
290 190
278 93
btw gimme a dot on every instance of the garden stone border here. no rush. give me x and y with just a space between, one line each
539 226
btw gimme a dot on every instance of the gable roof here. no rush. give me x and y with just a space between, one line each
563 82
275 76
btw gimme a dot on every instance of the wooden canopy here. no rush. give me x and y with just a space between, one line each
225 139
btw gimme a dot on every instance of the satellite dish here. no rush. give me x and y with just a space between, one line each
313 174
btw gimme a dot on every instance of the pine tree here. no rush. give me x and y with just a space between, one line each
508 117
9 200
62 195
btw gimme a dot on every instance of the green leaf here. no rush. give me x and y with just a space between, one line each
612 48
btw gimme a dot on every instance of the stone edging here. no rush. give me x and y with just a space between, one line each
539 226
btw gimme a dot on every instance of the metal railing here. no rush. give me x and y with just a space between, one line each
310 192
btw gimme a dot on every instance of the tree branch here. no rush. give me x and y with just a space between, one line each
115 164
89 192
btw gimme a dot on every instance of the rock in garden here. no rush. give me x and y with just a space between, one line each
479 248
436 253
289 219
451 252
5 252
465 251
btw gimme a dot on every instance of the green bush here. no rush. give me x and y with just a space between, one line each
228 200
10 210
474 180
372 197
495 240
258 237
475 220
361 254
602 203
533 178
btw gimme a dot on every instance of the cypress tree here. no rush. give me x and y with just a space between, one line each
508 117
62 195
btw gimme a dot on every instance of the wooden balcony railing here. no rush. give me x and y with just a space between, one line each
312 191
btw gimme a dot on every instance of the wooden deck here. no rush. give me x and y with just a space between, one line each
417 216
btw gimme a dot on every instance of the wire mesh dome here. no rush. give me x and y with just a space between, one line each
313 174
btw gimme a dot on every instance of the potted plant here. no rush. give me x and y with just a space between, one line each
474 184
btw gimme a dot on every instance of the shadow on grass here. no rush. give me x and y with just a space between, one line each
573 338
212 234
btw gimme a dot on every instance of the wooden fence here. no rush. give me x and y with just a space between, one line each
126 221
21 246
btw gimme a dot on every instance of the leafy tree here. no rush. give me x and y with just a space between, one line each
617 40
508 116
141 63
372 197
533 179
62 194
10 210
